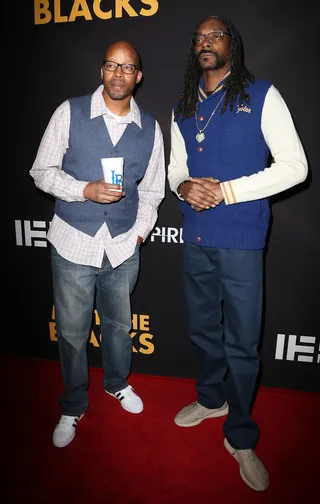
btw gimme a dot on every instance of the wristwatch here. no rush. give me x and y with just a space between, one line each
179 188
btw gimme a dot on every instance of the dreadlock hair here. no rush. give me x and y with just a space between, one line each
234 85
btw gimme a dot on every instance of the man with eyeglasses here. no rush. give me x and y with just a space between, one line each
97 227
224 129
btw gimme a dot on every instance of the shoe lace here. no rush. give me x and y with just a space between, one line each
249 455
128 392
69 420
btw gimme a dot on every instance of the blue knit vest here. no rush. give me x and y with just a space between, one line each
89 141
233 147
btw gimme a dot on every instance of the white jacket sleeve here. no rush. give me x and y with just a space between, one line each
289 166
178 169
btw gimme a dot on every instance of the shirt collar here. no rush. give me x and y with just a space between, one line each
98 108
202 95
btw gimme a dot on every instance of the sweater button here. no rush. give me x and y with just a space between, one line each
198 239
199 149
200 118
105 213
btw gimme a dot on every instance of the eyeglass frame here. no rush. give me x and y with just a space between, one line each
136 67
205 35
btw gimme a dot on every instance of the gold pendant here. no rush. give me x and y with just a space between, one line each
200 136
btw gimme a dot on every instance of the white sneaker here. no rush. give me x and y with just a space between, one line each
65 430
128 399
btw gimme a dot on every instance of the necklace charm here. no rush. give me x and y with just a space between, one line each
200 136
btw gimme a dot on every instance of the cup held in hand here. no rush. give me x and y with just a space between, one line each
113 170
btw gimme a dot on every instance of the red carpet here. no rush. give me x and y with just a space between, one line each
120 458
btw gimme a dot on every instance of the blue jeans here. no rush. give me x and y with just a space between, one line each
75 290
223 290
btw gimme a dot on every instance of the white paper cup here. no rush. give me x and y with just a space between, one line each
113 170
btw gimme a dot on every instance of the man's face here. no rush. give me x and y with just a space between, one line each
118 84
213 52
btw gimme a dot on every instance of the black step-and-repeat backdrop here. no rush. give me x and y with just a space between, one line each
53 51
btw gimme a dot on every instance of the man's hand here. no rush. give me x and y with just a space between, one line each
202 193
101 192
139 240
211 184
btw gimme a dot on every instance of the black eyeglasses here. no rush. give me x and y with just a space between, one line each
112 66
213 36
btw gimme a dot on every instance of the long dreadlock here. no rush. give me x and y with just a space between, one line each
234 85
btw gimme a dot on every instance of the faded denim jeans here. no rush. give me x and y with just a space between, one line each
76 288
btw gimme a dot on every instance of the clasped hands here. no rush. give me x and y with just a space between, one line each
202 193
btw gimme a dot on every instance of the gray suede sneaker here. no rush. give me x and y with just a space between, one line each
194 413
252 470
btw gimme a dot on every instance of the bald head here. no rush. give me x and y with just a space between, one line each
126 49
120 73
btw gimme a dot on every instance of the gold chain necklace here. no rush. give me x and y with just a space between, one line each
200 136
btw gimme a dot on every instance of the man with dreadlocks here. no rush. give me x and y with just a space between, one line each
225 128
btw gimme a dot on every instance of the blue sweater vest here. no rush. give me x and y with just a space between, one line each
233 147
89 141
